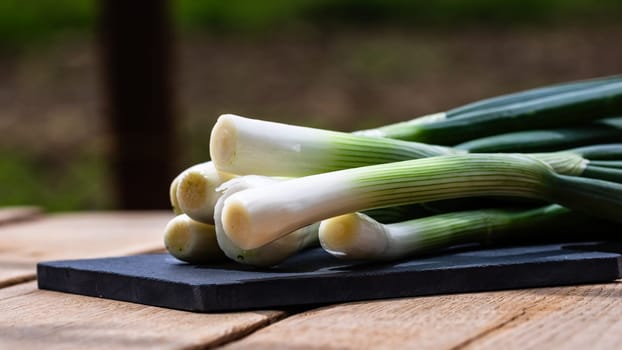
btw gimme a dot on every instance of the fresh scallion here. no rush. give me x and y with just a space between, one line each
257 216
356 236
249 146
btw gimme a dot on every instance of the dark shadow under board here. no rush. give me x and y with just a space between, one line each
314 277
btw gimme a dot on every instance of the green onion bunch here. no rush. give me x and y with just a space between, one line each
541 163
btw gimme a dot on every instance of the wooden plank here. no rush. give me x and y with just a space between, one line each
584 317
439 322
72 236
17 290
14 214
36 319
495 320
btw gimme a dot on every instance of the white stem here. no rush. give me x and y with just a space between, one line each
246 146
175 183
249 146
353 236
356 236
254 217
191 241
196 191
268 254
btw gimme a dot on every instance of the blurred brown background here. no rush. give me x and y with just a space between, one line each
340 64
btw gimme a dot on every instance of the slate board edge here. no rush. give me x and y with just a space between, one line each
216 298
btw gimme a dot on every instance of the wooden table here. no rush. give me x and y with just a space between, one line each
588 316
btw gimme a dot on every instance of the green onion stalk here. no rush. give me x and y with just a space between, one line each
254 217
356 236
248 146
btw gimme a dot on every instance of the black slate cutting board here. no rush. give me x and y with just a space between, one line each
315 277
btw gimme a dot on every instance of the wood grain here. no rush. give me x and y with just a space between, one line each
569 317
37 319
69 236
14 214
583 317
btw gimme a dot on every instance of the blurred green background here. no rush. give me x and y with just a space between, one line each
339 64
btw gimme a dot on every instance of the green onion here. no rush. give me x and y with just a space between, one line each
196 191
257 216
248 146
192 241
571 107
356 236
